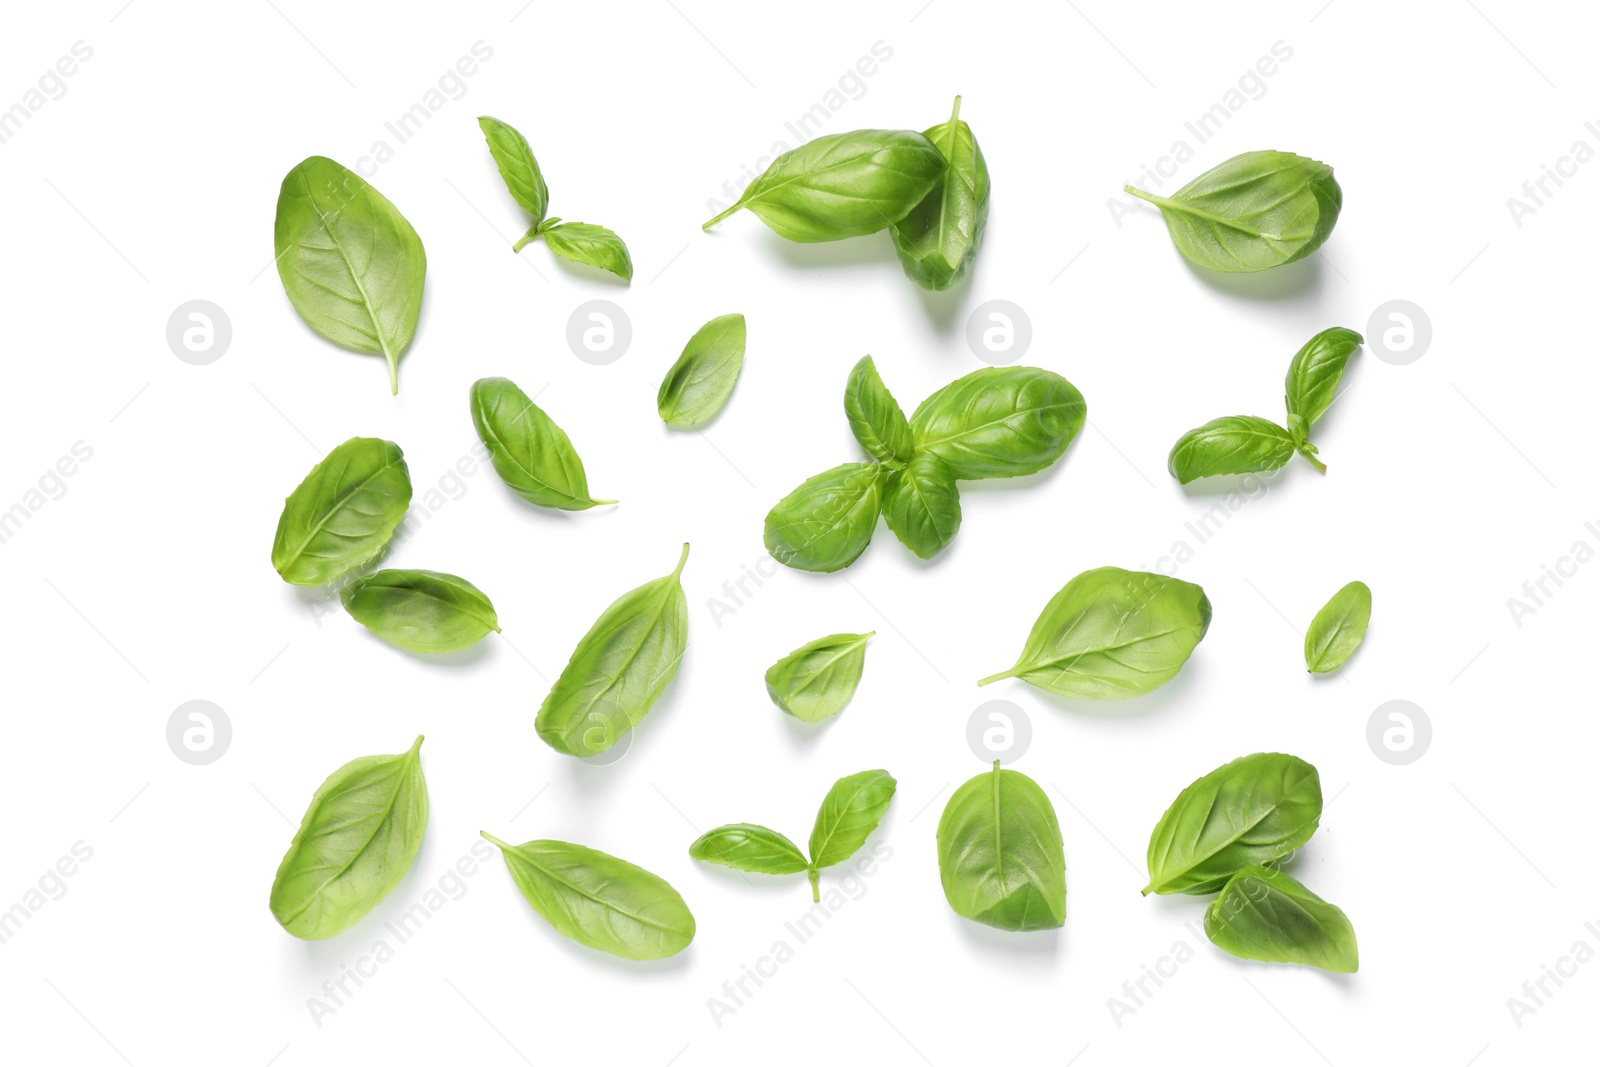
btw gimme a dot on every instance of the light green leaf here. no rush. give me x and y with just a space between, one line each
939 239
922 505
518 168
848 815
1001 860
702 379
816 680
1314 373
344 512
1000 422
875 418
424 611
1338 628
1263 914
1234 444
530 452
826 523
586 243
748 847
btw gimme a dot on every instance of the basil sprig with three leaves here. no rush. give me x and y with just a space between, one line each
939 239
1001 860
343 513
424 611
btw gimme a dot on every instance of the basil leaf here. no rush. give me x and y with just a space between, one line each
619 669
816 680
922 505
748 847
1313 378
1000 422
1111 634
848 815
519 169
343 513
939 239
1255 211
354 845
702 379
591 245
875 418
350 262
1234 444
1263 914
599 900
1337 630
1253 811
843 185
424 611
1001 860
529 451
827 522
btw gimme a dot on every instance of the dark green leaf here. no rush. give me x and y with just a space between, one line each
1263 914
875 418
1001 860
939 239
1337 630
827 522
424 611
702 379
1234 444
529 451
922 505
343 513
1000 422
517 166
748 847
816 680
1313 378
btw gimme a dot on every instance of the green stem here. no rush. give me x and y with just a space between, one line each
955 112
816 893
1314 461
1012 673
681 559
737 204
493 840
533 232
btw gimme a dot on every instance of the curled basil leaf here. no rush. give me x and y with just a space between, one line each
747 847
922 505
1313 378
529 451
1338 628
519 169
826 523
702 379
424 611
343 513
1001 860
1234 444
1000 422
1263 914
875 418
591 245
816 680
939 239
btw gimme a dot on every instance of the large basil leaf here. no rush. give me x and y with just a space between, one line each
1001 860
1313 378
827 522
1263 914
1111 633
1253 811
748 847
591 245
529 451
848 815
875 418
350 262
1234 444
816 680
599 900
1337 630
343 513
939 239
922 505
619 668
1000 422
519 169
354 845
843 185
702 379
1257 210
424 611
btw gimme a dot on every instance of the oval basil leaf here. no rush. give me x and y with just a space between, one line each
939 239
343 513
1263 914
922 505
848 815
1252 811
827 522
591 245
1000 422
702 379
529 451
748 847
1110 634
599 900
1337 630
1313 378
816 680
354 845
350 262
875 418
424 611
619 668
1001 860
843 185
1255 211
519 169
1234 444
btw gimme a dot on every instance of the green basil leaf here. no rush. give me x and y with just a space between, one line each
1234 444
518 168
848 815
827 522
591 245
1255 211
1313 378
1000 422
922 505
843 185
702 379
1337 630
1110 634
424 611
816 680
1263 914
529 451
748 847
619 669
1299 430
939 239
350 262
1001 860
599 900
1253 811
875 418
354 845
343 513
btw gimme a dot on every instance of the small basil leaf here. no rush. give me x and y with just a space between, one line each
1338 628
826 523
599 900
518 168
875 418
1110 634
354 845
1314 372
350 262
424 611
1233 444
530 452
816 680
922 505
939 239
1299 430
619 669
343 513
702 379
1252 212
586 243
1001 860
848 815
1263 914
1000 422
1253 811
748 847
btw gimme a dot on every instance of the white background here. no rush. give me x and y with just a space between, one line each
1451 481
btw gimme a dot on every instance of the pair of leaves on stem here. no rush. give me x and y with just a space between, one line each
529 451
1337 630
817 680
849 813
1001 859
1245 444
702 380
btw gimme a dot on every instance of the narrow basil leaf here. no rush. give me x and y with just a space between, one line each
816 680
939 239
848 815
517 167
922 505
586 243
702 379
1000 422
354 845
599 900
424 611
875 418
826 523
1313 378
1263 914
1001 860
350 262
748 847
619 669
343 513
1233 444
530 452
1338 628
